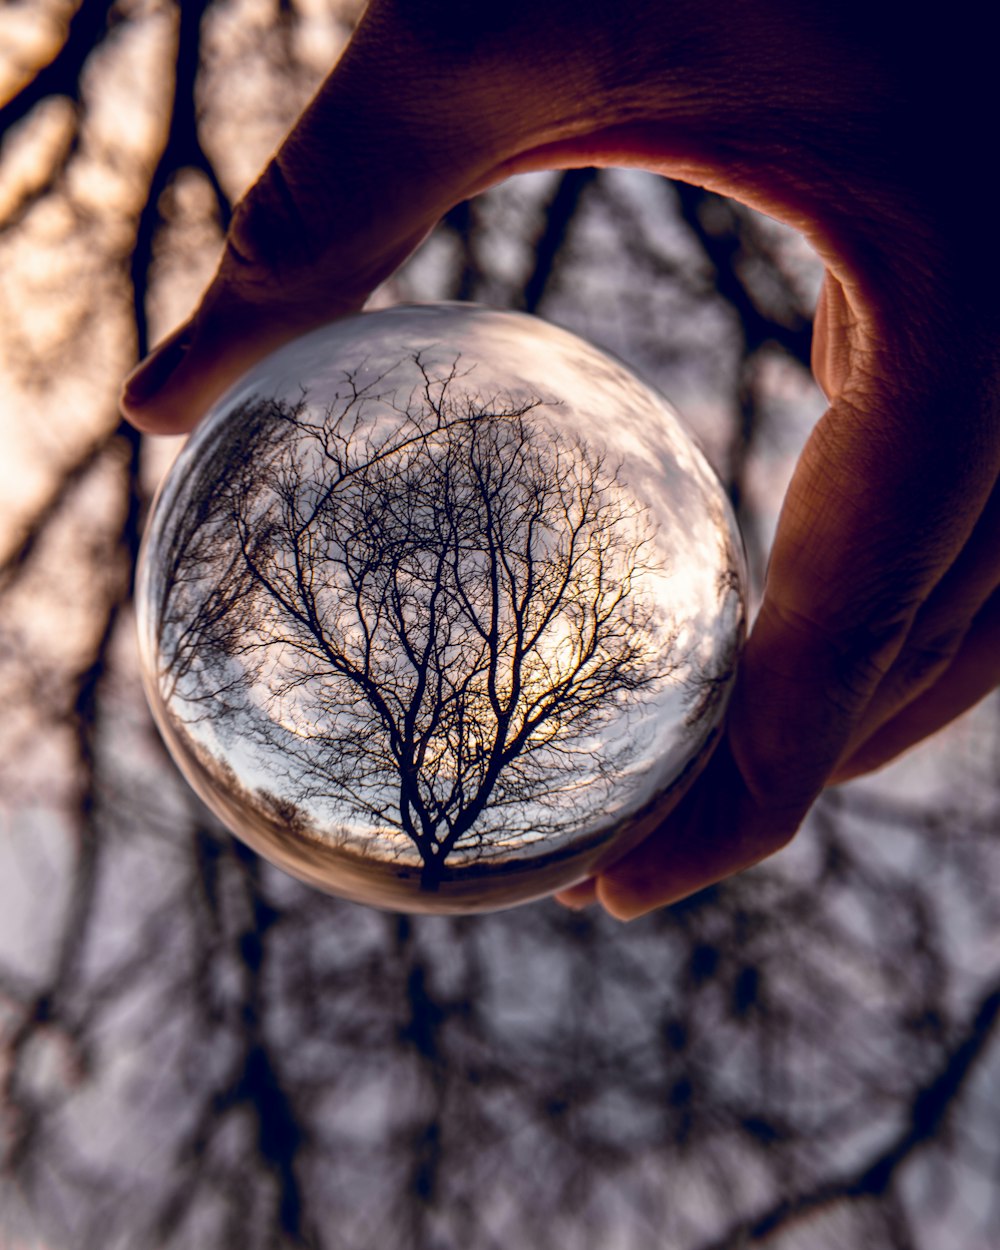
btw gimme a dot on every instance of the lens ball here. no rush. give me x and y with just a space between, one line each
439 608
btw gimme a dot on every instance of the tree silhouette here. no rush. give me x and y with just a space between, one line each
444 611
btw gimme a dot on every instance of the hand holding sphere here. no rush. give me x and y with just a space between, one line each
869 133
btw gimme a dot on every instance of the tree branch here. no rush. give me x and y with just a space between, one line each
86 31
929 1108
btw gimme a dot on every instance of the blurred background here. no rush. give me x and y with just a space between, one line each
196 1051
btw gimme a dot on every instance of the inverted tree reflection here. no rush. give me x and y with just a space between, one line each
424 624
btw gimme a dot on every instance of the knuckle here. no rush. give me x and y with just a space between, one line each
269 231
927 655
857 654
866 653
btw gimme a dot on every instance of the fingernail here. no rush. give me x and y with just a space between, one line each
149 376
625 905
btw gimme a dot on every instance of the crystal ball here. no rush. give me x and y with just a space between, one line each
439 608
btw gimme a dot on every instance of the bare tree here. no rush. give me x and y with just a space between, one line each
448 613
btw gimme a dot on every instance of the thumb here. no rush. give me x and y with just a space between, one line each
378 156
431 102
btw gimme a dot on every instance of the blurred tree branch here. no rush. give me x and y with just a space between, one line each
929 1109
86 31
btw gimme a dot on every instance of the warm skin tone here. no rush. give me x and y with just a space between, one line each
881 617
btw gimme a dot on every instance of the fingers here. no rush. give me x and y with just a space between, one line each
428 105
880 509
879 512
578 896
973 673
719 828
435 101
881 617
383 150
949 636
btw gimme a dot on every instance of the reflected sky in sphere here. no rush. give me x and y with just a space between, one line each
439 608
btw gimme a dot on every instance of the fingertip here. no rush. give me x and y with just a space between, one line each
626 901
178 382
577 897
142 399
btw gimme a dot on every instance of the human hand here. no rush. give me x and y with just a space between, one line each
881 615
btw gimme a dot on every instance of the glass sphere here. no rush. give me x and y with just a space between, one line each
439 608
